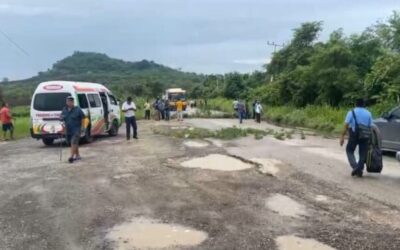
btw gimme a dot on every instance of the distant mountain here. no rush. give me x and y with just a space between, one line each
143 78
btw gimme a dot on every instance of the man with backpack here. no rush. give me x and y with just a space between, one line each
358 126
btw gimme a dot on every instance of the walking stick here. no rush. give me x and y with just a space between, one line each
60 142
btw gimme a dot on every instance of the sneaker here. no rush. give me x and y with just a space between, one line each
70 160
135 137
359 174
354 172
78 158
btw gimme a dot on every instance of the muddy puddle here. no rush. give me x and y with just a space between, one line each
285 206
268 166
291 242
195 144
217 162
148 234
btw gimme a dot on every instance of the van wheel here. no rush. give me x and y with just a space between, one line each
114 129
48 141
88 137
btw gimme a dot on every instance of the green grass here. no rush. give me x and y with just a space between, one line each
200 133
21 127
323 118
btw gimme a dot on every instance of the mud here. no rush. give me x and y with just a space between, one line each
285 206
217 162
144 233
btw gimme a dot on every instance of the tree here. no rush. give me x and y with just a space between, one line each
4 80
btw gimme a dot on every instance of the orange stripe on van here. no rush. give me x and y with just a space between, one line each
77 88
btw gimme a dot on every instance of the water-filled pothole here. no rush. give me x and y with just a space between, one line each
145 233
217 162
285 206
291 242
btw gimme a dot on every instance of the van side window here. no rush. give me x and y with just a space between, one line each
83 102
113 101
94 100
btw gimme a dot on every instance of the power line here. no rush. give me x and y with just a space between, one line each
14 43
275 45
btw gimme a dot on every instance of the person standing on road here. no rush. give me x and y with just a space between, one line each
241 111
6 121
254 109
235 106
129 109
72 117
179 110
258 109
147 110
358 124
167 109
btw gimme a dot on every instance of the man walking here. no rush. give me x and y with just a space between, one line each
147 110
179 110
6 121
358 125
129 109
241 111
258 109
72 117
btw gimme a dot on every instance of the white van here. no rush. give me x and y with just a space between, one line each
96 101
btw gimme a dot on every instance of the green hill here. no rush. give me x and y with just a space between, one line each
143 78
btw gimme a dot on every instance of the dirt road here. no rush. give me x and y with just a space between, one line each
163 192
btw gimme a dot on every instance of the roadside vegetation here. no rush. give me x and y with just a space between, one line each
224 133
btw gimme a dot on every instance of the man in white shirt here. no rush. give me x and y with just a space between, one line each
129 109
258 109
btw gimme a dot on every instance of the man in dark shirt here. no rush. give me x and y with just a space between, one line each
72 117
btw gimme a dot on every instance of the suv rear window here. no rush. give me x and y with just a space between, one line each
50 101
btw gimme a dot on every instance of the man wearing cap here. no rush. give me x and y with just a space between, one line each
72 117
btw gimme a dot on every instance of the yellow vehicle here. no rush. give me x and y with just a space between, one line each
173 95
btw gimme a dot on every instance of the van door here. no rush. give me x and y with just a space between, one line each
115 112
96 113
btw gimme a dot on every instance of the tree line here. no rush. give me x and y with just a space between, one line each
333 72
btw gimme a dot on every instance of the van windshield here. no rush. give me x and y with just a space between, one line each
50 101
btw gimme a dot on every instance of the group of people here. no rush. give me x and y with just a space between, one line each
163 109
6 121
242 110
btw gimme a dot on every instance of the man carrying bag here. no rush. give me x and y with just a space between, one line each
358 124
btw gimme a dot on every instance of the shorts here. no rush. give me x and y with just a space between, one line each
73 139
8 127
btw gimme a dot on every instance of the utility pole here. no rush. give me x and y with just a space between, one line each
275 45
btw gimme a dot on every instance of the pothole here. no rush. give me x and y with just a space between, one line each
268 166
195 144
217 162
321 198
285 206
291 242
145 233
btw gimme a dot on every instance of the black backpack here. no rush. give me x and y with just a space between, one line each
374 157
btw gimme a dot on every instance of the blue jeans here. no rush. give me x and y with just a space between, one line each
241 115
130 121
362 151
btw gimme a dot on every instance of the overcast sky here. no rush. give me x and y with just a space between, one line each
205 36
